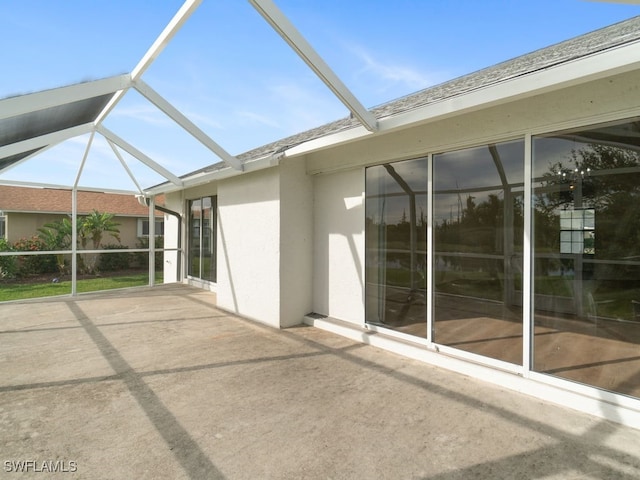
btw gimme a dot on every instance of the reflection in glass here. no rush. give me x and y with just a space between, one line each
396 247
478 237
586 212
202 238
195 222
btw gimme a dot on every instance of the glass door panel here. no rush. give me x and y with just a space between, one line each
478 236
195 224
586 224
202 238
396 246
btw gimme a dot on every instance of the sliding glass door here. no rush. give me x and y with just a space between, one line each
586 212
585 253
478 230
396 246
202 238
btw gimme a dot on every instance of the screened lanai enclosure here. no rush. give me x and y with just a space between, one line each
488 225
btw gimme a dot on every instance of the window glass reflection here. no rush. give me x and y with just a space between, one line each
586 212
478 232
202 238
396 246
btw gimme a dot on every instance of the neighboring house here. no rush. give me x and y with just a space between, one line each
24 210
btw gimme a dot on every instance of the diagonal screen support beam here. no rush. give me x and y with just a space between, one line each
176 23
134 152
299 44
177 116
124 165
44 141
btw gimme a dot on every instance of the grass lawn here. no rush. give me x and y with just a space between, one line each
23 291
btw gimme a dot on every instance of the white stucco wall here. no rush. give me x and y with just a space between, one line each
249 245
296 242
338 279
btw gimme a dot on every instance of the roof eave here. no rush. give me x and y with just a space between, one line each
575 72
602 64
203 177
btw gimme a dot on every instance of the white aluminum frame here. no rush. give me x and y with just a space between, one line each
305 51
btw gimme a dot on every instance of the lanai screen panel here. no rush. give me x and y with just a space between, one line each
53 119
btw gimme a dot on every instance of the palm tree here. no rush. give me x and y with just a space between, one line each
58 235
96 224
93 227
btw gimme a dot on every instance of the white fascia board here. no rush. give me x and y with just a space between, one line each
134 152
594 67
216 175
13 106
47 140
305 51
178 117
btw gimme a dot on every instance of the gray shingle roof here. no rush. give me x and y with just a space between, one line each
606 38
600 40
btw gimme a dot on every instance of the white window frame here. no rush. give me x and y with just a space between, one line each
159 230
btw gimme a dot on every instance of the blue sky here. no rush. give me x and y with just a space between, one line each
236 79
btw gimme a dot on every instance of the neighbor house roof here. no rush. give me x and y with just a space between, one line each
47 200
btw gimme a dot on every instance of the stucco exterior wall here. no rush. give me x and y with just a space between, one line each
338 277
249 245
296 242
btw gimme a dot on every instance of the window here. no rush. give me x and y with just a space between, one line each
3 225
143 227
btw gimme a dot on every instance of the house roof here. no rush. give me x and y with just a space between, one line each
605 39
573 49
47 200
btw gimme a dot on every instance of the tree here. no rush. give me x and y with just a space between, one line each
94 225
58 236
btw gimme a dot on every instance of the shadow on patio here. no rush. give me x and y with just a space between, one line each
159 383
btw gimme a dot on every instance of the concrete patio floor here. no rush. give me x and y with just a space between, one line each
159 383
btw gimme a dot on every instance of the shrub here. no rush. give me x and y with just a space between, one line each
8 265
142 259
114 261
34 264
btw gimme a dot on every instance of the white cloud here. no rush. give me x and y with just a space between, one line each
383 76
140 112
253 117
